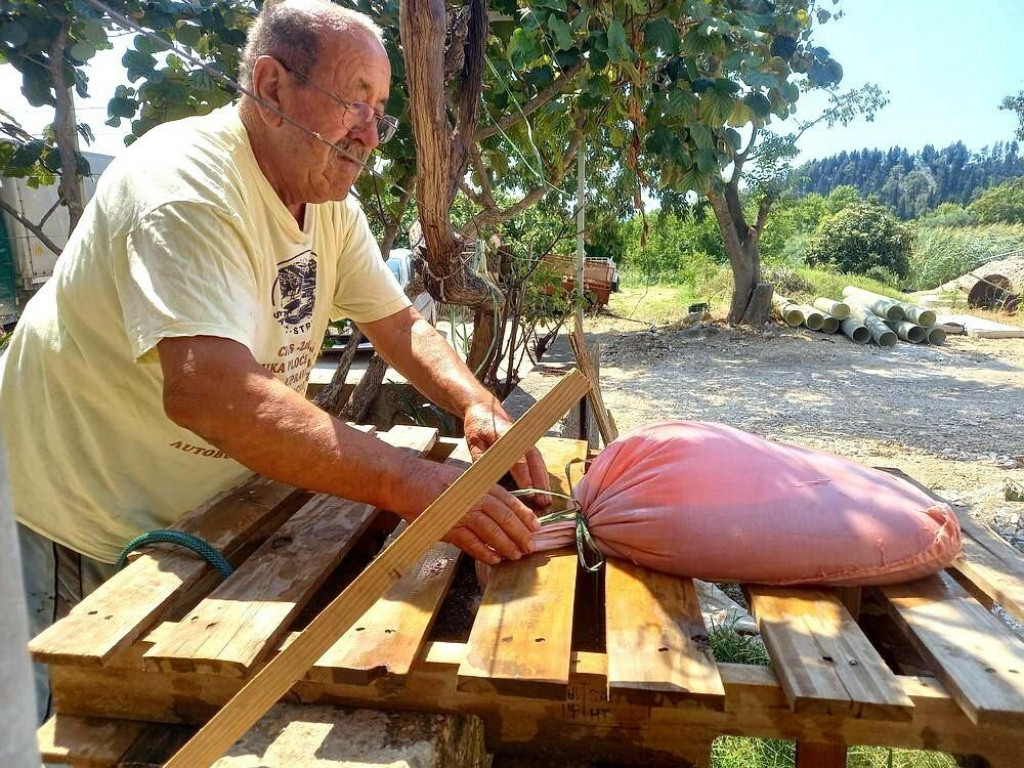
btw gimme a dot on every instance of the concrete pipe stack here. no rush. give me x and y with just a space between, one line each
910 322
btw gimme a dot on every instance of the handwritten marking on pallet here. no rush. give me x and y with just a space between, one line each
976 656
278 676
86 741
522 636
987 565
654 631
240 621
822 658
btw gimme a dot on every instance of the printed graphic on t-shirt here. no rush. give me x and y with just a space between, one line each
294 293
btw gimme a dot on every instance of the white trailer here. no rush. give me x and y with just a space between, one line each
25 262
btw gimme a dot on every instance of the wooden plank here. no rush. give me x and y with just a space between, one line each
131 601
278 676
86 741
589 362
975 655
388 638
654 632
822 658
987 561
521 639
238 623
756 706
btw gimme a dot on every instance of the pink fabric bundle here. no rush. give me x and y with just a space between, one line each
709 501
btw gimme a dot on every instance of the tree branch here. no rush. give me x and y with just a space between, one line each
762 213
495 215
556 88
31 227
470 87
742 157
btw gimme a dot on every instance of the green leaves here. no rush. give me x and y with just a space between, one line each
716 103
561 32
662 35
618 50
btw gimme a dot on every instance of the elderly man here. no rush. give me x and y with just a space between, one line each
165 360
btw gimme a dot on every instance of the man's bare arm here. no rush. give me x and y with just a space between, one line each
418 352
215 388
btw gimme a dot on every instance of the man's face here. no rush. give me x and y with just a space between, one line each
354 67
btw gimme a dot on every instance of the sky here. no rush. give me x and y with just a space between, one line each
946 64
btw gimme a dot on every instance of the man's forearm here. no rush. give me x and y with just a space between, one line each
421 355
247 413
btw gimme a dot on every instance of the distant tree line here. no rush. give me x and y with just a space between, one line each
913 183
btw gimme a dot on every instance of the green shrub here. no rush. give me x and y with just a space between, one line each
860 237
943 253
1001 204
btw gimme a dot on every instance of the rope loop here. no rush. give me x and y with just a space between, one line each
202 548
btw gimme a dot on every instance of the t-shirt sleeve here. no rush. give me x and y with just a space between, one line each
188 273
367 290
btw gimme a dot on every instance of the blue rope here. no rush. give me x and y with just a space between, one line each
187 540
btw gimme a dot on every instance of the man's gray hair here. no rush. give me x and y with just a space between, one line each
291 31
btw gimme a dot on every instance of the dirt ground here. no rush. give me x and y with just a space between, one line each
951 416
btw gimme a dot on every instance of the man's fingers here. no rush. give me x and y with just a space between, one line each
472 545
525 515
483 525
518 523
538 476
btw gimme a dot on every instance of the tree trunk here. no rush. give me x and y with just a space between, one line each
743 247
65 131
442 151
330 397
358 406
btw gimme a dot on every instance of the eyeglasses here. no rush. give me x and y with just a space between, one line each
358 114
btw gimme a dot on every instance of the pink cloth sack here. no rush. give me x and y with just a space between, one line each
709 501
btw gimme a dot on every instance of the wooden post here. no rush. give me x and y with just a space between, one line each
275 679
812 755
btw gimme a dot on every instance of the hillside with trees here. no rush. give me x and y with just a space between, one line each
913 183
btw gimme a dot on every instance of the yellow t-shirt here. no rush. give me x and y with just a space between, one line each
184 237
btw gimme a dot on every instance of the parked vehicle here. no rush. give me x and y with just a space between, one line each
600 277
400 263
25 262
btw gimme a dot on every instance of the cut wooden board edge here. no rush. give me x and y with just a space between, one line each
277 677
888 703
979 715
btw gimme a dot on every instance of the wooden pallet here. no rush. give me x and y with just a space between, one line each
556 662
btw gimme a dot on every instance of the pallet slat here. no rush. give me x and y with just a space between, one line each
240 621
131 601
521 639
389 636
822 658
975 655
654 630
86 741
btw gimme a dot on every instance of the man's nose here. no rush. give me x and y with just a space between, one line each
368 135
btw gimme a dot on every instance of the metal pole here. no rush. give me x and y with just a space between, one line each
581 196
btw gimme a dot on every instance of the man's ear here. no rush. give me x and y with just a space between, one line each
267 75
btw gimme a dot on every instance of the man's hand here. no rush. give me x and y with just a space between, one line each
499 526
483 425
